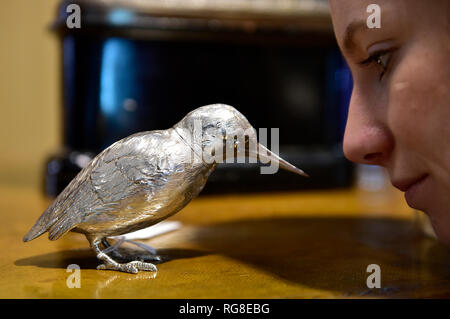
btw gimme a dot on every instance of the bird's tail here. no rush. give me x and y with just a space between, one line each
34 233
40 227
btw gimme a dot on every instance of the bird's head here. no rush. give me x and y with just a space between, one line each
221 132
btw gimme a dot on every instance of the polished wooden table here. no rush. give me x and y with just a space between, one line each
276 245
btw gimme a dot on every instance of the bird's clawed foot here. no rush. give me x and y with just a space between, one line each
131 267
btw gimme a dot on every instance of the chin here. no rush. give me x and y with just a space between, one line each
442 229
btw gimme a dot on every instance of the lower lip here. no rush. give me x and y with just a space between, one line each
413 194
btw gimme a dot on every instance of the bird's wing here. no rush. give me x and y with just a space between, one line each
123 170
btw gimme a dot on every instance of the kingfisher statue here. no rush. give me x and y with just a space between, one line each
146 177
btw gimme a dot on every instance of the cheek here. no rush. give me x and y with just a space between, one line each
419 117
419 110
408 116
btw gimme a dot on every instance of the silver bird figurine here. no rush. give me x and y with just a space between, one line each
145 178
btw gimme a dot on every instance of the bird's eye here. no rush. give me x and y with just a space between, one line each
208 126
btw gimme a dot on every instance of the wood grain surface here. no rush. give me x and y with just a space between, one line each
275 245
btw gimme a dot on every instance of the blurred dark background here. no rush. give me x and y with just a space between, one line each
142 65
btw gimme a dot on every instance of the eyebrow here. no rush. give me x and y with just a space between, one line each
349 34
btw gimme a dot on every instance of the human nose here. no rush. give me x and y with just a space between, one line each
367 138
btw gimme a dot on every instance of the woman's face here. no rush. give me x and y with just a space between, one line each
399 114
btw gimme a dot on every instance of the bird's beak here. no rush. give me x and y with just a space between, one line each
265 155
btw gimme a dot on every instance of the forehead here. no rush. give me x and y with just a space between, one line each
346 12
350 20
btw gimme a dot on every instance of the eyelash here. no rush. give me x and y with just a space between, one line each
375 58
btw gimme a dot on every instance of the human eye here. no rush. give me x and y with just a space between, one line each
380 59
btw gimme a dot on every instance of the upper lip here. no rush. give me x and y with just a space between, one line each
405 184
